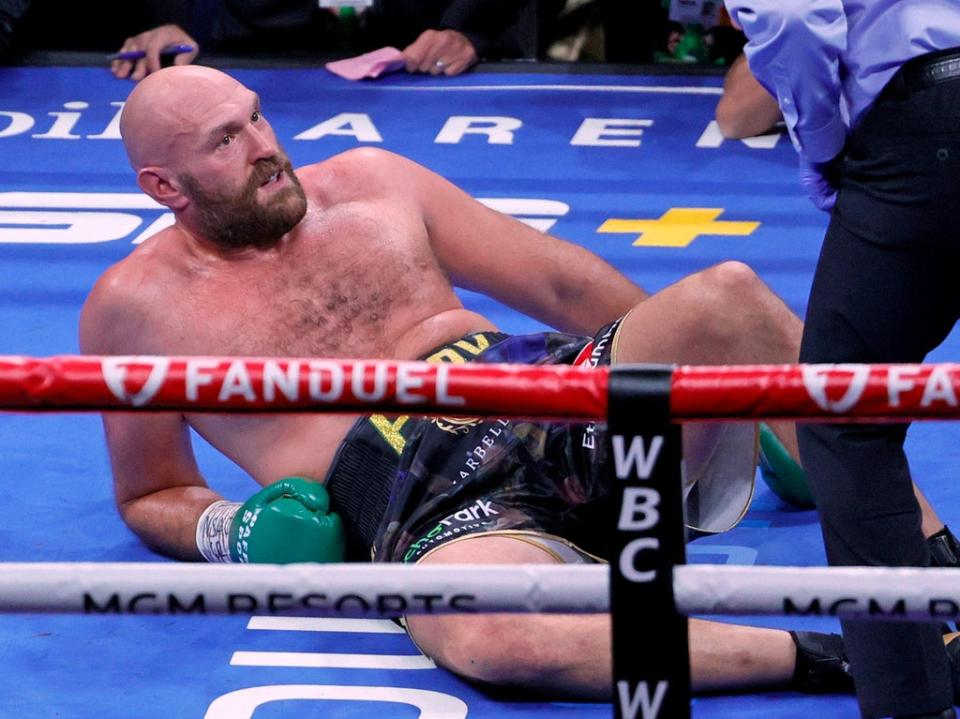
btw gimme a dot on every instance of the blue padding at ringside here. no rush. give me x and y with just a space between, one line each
58 494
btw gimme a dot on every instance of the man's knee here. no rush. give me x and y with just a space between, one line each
722 298
730 282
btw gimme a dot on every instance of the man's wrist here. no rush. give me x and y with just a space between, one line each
213 530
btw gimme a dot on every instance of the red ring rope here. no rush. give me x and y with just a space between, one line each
212 384
204 384
876 391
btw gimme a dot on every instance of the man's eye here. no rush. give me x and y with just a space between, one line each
255 117
227 139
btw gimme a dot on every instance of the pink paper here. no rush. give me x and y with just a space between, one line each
372 64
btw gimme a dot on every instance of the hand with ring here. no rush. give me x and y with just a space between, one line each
446 52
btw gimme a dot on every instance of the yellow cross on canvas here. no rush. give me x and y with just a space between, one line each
678 227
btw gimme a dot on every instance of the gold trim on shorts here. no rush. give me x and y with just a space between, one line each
615 342
524 535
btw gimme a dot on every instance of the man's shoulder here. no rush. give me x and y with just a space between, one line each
152 261
358 159
363 171
123 297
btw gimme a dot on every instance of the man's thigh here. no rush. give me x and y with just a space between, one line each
878 301
432 633
545 652
721 315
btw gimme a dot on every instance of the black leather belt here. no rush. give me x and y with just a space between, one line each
928 70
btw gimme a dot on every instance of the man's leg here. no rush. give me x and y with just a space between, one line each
724 315
885 291
721 315
570 655
892 311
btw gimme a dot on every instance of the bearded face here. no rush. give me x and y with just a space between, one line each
245 219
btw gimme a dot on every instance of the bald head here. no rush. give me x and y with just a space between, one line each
201 147
168 106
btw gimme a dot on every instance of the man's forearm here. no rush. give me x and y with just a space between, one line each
746 109
166 521
593 294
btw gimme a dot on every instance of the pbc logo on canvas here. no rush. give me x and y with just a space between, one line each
134 380
835 388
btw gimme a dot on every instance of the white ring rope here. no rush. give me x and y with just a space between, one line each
385 590
864 592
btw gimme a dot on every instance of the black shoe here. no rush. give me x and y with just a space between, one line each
822 665
944 552
944 549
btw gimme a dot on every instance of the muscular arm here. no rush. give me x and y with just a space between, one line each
159 490
745 109
556 282
158 487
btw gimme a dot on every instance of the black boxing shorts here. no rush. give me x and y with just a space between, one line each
406 486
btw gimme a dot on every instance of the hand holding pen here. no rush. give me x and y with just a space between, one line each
140 55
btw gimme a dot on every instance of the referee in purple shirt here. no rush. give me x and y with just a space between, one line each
870 92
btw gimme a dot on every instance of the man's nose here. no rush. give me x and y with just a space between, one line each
263 143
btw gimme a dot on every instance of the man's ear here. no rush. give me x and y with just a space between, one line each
157 183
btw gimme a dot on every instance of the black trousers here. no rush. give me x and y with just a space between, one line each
886 290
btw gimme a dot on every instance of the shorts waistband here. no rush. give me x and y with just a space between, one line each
359 482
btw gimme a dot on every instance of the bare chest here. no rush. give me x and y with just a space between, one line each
347 286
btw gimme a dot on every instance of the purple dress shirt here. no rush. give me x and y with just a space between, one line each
827 60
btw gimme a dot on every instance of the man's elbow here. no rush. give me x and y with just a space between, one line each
140 517
728 121
732 121
737 122
132 514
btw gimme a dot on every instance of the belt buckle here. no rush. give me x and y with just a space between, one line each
941 70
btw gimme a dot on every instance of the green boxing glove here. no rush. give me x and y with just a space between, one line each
286 522
781 472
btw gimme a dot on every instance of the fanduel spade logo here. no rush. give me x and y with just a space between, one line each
817 377
115 374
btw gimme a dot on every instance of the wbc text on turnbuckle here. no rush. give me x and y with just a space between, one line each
646 542
639 512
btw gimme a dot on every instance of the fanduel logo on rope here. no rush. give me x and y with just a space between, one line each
137 381
115 374
841 388
817 379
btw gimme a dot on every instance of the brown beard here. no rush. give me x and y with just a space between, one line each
239 221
